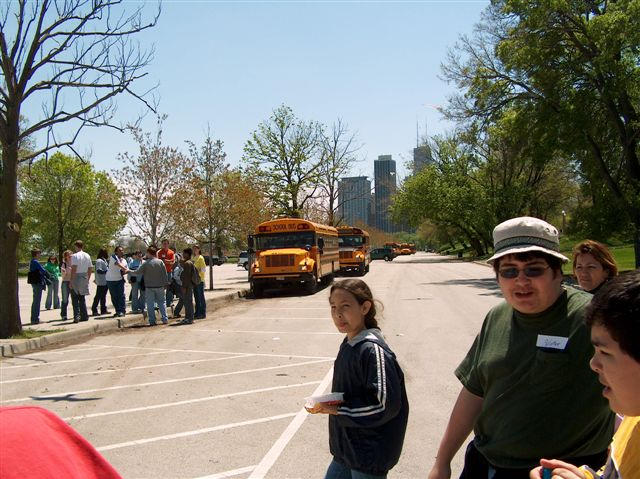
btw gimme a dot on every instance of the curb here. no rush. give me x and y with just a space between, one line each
23 346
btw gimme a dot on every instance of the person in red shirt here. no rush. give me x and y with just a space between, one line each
37 444
168 258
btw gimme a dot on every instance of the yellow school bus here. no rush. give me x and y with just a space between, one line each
395 247
292 252
355 246
405 249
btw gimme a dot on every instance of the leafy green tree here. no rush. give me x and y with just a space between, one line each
571 70
64 199
285 154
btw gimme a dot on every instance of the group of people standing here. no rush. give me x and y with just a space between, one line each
155 279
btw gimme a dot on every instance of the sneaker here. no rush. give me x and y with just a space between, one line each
94 313
186 321
175 316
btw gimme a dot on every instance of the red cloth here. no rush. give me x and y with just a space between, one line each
37 444
168 258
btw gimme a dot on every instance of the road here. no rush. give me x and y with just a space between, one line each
224 397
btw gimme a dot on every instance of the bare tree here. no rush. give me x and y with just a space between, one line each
339 149
154 186
74 57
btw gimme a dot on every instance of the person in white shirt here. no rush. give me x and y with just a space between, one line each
81 269
115 280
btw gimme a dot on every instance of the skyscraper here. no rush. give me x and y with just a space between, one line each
385 180
421 157
354 198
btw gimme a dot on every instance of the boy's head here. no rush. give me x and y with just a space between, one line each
187 253
614 317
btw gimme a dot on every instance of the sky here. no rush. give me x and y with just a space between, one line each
228 65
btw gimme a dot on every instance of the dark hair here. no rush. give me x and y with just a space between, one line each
362 293
152 250
188 251
103 253
554 262
165 240
52 258
137 252
616 307
35 252
599 252
79 244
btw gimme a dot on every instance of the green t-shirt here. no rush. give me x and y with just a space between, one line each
53 269
537 402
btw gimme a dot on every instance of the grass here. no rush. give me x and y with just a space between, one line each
34 333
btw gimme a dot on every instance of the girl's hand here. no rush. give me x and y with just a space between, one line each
560 470
323 408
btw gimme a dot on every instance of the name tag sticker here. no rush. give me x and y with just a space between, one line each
551 342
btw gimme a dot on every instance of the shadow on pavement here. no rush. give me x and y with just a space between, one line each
488 284
68 397
440 259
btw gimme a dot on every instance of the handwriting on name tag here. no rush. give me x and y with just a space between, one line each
551 342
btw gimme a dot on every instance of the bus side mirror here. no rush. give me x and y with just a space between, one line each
321 243
250 244
307 247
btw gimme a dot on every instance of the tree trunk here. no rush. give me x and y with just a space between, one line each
210 262
11 223
636 240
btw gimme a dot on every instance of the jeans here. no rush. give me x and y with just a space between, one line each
52 294
79 307
116 289
169 290
35 305
186 300
64 290
137 297
340 471
201 305
101 299
155 296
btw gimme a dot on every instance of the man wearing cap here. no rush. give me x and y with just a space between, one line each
528 391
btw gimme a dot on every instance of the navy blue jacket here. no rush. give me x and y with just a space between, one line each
368 431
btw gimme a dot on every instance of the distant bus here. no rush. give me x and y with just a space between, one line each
355 246
407 248
395 247
291 252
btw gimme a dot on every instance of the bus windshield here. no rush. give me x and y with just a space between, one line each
285 240
350 241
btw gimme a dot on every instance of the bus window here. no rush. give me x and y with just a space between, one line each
284 240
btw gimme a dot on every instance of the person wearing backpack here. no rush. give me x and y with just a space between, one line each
37 279
188 277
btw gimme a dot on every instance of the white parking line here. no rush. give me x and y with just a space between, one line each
232 473
107 358
265 332
196 432
191 401
294 309
262 318
272 456
228 352
69 349
103 371
166 381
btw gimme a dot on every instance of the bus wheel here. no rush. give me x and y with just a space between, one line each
387 258
311 286
366 269
328 279
361 270
257 289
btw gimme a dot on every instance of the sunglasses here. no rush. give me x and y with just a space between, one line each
529 272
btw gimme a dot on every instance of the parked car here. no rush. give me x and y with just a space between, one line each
243 260
386 254
216 260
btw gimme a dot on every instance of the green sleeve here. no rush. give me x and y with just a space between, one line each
467 371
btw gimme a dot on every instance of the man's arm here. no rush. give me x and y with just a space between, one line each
463 417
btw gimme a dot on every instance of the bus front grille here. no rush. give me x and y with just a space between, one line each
280 260
346 254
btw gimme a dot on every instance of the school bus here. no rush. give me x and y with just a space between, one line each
405 249
395 247
292 252
355 247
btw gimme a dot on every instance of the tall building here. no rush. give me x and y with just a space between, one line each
354 200
384 169
421 157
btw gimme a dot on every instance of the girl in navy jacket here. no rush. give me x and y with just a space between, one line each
366 430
